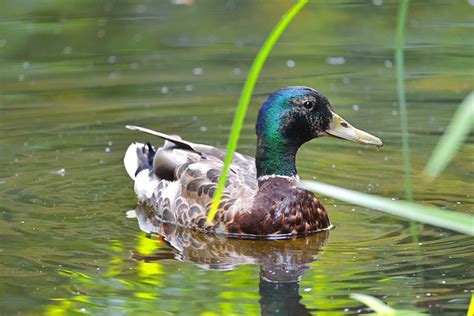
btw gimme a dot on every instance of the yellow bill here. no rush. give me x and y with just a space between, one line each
341 129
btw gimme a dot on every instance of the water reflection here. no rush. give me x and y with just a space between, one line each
282 262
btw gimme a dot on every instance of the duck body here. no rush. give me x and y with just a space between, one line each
273 207
261 198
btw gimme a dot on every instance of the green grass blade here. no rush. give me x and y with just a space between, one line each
245 96
400 73
455 221
380 308
377 305
452 139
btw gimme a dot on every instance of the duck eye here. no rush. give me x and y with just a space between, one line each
307 104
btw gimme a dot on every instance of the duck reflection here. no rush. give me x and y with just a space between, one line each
282 262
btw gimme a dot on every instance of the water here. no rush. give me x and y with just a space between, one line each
74 74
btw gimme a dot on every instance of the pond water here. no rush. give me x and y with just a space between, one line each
73 74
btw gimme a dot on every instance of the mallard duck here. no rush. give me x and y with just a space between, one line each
261 198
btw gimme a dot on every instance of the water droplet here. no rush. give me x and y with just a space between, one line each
112 60
388 63
100 33
107 149
377 2
183 2
61 172
164 89
290 63
307 289
141 8
131 214
137 37
198 71
101 22
113 75
335 60
236 71
67 50
356 107
203 129
394 113
188 88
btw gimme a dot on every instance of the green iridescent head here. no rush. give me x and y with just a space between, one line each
292 116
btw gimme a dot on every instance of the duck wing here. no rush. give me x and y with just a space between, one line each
171 138
185 176
178 142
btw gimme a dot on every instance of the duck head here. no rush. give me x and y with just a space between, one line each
292 116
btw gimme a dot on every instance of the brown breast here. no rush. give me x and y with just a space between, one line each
281 208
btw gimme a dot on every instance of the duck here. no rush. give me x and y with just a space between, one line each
261 197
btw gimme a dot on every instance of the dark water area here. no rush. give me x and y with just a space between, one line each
73 74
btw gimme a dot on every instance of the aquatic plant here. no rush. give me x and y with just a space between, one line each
442 218
400 75
380 307
245 96
452 139
456 221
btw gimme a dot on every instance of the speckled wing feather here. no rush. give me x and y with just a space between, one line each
187 176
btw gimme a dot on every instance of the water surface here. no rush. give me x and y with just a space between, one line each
73 74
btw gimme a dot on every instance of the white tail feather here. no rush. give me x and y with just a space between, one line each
130 160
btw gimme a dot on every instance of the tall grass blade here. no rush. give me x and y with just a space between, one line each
377 305
380 308
455 221
400 73
470 310
245 96
452 139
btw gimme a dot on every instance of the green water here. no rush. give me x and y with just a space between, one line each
74 73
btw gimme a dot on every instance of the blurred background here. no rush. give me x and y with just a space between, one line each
74 73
